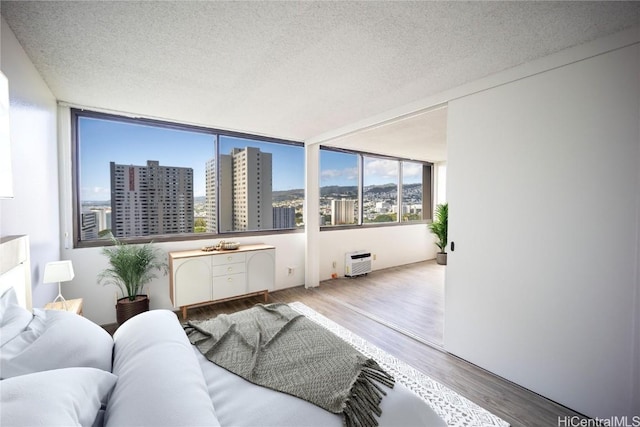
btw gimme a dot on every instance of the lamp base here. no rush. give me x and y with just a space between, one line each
60 297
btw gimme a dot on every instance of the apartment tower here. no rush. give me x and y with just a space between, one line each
244 185
343 211
284 217
219 220
252 187
151 199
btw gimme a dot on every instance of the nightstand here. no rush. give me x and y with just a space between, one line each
73 306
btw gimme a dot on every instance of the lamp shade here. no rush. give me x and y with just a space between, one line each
58 271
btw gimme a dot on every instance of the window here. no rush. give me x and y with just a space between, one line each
358 188
139 178
380 190
412 190
339 182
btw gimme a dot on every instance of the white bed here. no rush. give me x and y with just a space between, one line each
58 368
15 268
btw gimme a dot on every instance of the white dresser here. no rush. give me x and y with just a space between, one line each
198 277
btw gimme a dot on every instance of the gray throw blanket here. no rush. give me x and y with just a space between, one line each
277 347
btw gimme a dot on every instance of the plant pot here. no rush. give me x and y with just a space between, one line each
126 309
441 258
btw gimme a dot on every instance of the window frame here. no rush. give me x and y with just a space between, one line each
428 169
77 113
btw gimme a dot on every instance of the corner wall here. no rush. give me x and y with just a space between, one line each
543 284
34 208
391 246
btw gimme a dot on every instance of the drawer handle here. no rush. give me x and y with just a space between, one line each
229 268
229 279
229 258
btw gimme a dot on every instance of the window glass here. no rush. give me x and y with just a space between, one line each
261 185
368 186
412 191
380 190
338 188
138 178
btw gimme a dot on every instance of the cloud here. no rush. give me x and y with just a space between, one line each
381 168
342 175
410 169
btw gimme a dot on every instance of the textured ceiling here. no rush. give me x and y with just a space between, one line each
292 70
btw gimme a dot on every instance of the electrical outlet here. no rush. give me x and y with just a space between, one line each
334 264
375 257
290 270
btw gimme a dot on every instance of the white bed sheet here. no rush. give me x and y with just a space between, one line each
238 402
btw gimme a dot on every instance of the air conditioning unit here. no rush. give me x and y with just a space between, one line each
357 263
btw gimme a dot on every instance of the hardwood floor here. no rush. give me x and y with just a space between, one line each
405 297
409 299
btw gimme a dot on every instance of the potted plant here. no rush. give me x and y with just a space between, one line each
439 227
130 268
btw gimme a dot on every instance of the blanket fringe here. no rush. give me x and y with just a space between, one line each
365 396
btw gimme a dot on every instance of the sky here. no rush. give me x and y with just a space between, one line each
103 141
337 168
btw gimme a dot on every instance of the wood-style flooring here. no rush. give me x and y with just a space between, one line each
410 300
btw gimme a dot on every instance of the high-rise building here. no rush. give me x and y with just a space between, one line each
343 211
88 225
211 182
103 217
225 213
252 187
284 217
151 199
244 186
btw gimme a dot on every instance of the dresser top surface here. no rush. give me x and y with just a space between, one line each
199 252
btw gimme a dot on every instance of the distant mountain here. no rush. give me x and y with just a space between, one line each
377 189
284 195
298 193
338 190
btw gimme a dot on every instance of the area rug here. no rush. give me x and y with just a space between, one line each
449 405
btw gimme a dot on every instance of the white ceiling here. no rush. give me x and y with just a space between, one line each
293 70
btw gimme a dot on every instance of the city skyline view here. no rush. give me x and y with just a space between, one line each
106 141
138 178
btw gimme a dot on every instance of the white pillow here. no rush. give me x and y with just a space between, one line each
13 318
56 339
62 397
160 382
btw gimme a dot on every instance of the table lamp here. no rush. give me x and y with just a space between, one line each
58 271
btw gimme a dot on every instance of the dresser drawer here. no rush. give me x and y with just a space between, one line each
227 269
229 286
228 258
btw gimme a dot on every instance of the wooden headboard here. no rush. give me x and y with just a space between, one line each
15 268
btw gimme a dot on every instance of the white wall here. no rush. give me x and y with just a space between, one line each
99 301
34 208
392 246
543 189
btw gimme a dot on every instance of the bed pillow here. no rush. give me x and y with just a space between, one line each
13 318
160 382
56 339
62 397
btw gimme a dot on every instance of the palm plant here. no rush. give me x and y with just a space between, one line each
439 226
131 267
